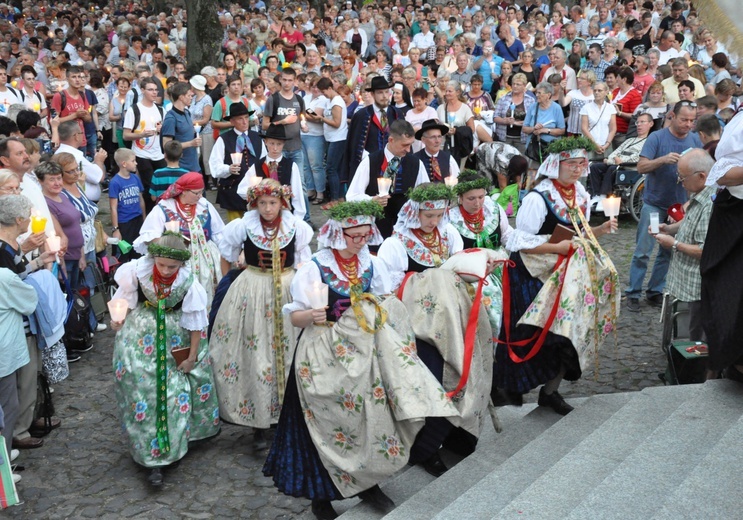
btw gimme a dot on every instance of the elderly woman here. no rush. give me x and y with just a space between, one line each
201 115
564 299
455 113
18 300
50 175
575 99
162 339
184 208
352 341
543 122
249 335
598 120
88 211
510 113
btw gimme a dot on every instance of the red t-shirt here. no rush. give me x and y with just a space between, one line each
72 104
625 103
291 40
642 83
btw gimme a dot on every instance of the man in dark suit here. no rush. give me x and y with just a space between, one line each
439 163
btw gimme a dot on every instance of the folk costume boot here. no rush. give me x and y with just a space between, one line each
554 401
259 440
435 466
323 510
377 499
155 477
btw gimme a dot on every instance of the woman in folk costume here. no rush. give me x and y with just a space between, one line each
482 223
357 394
164 403
184 209
563 290
440 305
251 343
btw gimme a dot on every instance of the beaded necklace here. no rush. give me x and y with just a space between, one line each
271 229
432 241
349 267
566 192
473 221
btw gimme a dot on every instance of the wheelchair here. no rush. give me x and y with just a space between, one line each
629 185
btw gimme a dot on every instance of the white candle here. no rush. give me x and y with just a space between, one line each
383 186
54 243
197 127
611 207
237 157
654 223
172 226
317 293
117 308
451 181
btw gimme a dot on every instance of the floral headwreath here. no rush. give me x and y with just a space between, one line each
470 180
282 192
423 198
161 251
347 215
576 147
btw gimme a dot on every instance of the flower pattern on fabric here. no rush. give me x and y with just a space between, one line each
343 440
409 352
390 447
251 342
342 287
246 409
378 394
305 373
223 332
155 449
344 351
428 303
343 478
420 253
204 391
183 403
230 373
120 370
139 411
286 235
266 377
349 401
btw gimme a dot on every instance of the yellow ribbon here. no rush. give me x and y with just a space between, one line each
357 294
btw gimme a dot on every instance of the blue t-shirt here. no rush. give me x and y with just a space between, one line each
487 68
509 53
550 118
661 187
179 126
127 192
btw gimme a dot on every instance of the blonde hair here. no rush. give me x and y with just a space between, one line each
63 159
122 155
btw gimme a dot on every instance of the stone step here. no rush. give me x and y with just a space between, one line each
563 486
712 489
508 480
639 485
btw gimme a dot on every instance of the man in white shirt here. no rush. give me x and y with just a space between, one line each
558 58
666 49
424 39
69 139
439 164
7 95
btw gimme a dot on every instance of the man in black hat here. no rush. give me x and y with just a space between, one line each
369 128
278 167
238 140
396 163
439 163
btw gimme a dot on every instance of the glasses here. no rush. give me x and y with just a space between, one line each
73 170
575 165
358 239
680 179
198 193
687 104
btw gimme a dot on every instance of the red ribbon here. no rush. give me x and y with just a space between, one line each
539 336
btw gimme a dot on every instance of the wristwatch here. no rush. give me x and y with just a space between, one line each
114 229
675 246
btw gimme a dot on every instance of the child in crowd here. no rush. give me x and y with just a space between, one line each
162 178
125 194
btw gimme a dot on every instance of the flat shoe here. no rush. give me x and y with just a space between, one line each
435 466
377 499
155 477
554 401
323 510
29 443
318 201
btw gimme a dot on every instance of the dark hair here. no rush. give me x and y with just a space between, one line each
28 68
681 104
627 74
613 70
324 84
7 128
173 150
517 166
232 78
289 72
720 60
161 67
257 82
401 128
48 168
179 89
709 124
687 83
96 78
74 69
707 102
420 93
27 119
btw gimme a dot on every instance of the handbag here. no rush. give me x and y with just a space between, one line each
54 363
100 236
535 148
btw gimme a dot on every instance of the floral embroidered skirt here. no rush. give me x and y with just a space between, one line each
192 410
244 352
362 397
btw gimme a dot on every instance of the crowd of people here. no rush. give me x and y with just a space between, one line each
375 113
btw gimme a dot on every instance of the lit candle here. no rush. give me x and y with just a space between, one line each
173 226
317 293
383 186
197 127
254 181
54 243
611 207
38 223
117 308
451 181
237 157
37 107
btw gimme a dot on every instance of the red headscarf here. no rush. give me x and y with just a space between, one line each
187 181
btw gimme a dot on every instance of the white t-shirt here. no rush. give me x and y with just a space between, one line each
335 134
598 120
147 147
666 56
7 98
317 104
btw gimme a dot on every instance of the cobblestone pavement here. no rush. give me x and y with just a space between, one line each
84 469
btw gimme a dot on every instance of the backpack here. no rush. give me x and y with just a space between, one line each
137 116
63 101
223 104
77 327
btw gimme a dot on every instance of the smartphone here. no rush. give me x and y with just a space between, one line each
310 112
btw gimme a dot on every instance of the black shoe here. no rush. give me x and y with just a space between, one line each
435 466
655 300
323 510
733 374
633 304
377 499
502 397
72 357
554 401
155 477
259 440
82 349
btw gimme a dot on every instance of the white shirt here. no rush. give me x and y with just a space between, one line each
357 188
335 134
364 39
300 210
7 98
93 172
423 41
31 189
219 169
666 56
598 120
146 147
